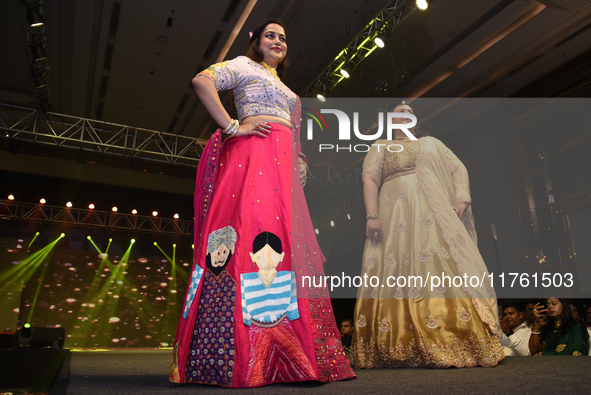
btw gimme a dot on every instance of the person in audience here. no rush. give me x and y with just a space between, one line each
555 331
576 314
528 313
515 332
588 325
347 329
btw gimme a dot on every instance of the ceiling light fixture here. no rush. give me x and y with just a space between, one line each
422 4
346 71
34 17
323 93
380 40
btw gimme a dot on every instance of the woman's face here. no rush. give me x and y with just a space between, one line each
554 308
273 44
403 108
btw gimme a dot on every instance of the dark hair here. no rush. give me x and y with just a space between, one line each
572 302
515 305
566 318
417 131
267 238
254 52
349 321
531 301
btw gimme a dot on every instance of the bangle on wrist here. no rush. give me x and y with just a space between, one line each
371 216
535 333
232 128
229 126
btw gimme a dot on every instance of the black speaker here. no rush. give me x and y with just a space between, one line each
43 337
8 340
48 337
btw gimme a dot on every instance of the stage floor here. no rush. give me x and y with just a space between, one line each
142 371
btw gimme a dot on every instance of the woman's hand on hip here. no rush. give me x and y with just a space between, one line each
256 128
373 230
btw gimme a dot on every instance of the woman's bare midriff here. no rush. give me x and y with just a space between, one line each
266 118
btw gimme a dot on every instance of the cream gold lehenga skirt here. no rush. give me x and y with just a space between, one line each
400 323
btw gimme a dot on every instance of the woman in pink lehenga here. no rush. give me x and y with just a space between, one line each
246 321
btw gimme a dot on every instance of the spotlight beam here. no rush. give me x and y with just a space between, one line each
184 275
103 292
26 270
33 240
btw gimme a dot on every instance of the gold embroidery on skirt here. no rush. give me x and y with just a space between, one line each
460 353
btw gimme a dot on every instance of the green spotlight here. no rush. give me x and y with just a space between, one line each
155 243
132 241
193 246
110 240
34 238
26 330
174 246
63 235
88 237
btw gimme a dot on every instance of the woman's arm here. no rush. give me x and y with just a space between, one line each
372 171
535 344
371 185
205 89
208 95
459 174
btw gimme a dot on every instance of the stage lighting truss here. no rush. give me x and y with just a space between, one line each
363 45
66 131
34 27
93 218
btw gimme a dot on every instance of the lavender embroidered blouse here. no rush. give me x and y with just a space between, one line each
257 89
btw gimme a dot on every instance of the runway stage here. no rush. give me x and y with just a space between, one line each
143 371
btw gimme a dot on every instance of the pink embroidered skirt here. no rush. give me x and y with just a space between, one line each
256 190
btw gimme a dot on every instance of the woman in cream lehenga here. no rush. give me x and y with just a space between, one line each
419 225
